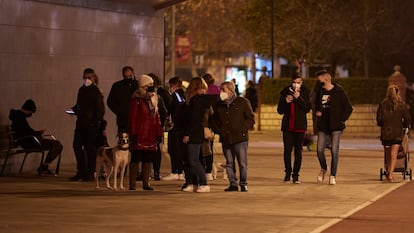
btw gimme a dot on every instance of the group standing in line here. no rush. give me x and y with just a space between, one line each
142 107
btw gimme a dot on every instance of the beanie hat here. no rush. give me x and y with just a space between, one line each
145 80
29 105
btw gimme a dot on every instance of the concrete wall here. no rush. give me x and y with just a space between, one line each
362 122
44 48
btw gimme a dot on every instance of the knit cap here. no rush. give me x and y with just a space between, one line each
29 105
145 80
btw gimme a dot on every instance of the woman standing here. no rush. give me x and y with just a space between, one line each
199 104
392 116
144 129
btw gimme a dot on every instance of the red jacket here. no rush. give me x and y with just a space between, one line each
147 128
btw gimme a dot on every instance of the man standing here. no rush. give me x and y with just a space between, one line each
232 119
294 104
176 148
333 108
89 110
120 96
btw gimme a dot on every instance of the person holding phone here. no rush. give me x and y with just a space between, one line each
294 104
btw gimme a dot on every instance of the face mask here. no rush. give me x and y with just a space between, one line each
296 86
29 114
87 82
223 95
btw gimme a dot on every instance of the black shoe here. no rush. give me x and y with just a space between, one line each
147 187
132 188
296 180
243 189
184 186
76 177
44 171
157 176
231 188
287 178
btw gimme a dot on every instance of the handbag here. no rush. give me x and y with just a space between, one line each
208 134
206 148
168 123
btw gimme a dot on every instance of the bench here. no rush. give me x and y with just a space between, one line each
14 148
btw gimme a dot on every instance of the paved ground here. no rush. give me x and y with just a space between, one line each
38 204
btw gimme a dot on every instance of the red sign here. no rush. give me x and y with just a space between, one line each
182 48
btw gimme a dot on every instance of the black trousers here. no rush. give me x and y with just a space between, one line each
293 140
177 150
53 146
84 146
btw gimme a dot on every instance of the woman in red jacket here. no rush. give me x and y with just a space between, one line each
144 129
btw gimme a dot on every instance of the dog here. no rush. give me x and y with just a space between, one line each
116 158
219 167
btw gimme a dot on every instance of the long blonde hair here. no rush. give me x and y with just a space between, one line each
392 98
196 84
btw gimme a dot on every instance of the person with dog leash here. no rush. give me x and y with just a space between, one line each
232 120
294 104
144 129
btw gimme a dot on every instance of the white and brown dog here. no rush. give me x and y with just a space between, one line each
219 167
116 158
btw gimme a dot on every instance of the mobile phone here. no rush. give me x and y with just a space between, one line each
151 89
70 111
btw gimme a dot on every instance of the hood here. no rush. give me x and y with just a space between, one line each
15 114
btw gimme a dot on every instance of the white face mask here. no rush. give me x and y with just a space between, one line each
223 95
296 86
87 82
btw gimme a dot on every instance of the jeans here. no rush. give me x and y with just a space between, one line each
293 140
323 138
239 151
197 168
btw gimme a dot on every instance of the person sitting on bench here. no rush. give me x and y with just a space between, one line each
23 133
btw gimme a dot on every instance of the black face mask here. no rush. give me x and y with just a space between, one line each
319 85
151 89
28 115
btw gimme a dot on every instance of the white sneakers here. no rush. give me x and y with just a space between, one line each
189 188
200 189
203 189
173 176
321 175
332 180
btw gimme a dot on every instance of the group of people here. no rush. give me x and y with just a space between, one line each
143 108
332 108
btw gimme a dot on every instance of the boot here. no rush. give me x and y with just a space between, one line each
146 171
133 169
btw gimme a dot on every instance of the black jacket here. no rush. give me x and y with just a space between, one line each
118 101
197 108
232 122
20 126
178 110
89 107
302 107
341 108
